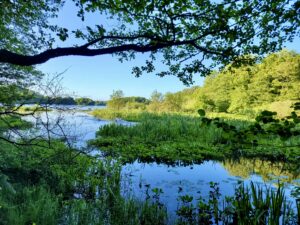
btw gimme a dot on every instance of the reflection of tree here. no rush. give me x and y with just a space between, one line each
268 170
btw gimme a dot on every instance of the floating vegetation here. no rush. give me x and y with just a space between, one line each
169 138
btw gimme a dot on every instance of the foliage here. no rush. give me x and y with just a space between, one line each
23 26
192 36
64 101
248 206
35 190
156 96
14 84
37 98
110 114
117 94
265 126
30 205
155 101
88 101
119 102
48 183
184 139
40 185
270 85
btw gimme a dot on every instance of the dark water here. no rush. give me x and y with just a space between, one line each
194 180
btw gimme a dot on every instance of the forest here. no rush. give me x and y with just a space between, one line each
271 84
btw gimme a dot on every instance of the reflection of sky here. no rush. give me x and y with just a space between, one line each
193 180
98 76
78 126
189 180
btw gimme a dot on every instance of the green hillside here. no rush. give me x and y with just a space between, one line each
271 84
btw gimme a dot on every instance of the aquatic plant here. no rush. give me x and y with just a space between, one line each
170 138
253 205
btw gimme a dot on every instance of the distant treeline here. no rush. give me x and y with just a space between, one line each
271 84
63 101
118 102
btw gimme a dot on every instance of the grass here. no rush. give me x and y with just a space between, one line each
162 138
109 114
169 138
253 205
39 184
137 115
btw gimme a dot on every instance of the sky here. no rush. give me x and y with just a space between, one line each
96 77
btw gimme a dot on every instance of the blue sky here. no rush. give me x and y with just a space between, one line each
96 77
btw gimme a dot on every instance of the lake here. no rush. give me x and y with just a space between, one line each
138 178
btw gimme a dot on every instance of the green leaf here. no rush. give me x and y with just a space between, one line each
201 112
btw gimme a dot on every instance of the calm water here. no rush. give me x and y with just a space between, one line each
194 180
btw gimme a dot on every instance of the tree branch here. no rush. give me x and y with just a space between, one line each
28 60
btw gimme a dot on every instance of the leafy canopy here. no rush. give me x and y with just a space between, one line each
192 36
272 84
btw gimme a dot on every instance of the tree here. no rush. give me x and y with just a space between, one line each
117 94
116 100
15 84
173 102
85 101
193 36
156 96
272 84
64 101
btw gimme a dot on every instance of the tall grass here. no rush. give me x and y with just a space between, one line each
163 127
110 114
98 199
162 138
29 205
253 205
171 137
94 199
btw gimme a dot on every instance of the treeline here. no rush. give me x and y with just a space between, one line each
271 84
63 101
118 101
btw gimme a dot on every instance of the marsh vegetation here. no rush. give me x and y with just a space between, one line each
118 173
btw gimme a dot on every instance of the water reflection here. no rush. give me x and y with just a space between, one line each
269 171
138 178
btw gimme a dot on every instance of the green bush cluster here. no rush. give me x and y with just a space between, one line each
57 185
270 84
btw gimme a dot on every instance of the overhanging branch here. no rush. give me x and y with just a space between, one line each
154 45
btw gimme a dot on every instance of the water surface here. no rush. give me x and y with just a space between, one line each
138 179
